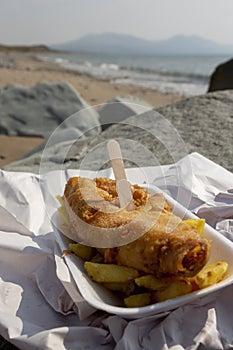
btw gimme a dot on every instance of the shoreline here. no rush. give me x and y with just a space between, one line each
27 69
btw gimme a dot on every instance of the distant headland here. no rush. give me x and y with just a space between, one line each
26 48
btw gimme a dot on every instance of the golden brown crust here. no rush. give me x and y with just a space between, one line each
169 247
96 201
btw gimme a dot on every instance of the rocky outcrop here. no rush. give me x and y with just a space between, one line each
121 108
38 110
222 77
203 124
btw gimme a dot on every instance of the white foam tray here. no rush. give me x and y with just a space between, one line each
100 298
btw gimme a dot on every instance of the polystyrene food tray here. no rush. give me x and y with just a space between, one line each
102 299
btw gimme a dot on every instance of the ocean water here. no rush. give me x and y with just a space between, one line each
184 75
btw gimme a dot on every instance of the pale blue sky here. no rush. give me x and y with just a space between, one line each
55 21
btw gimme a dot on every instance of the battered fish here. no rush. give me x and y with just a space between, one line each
168 246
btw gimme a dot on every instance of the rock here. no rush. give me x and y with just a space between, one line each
222 77
120 108
62 135
205 123
38 110
202 123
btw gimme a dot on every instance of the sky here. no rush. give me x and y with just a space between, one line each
26 22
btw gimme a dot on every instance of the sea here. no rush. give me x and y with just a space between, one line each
183 75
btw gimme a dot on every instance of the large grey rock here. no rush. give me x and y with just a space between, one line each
120 108
222 77
38 110
204 123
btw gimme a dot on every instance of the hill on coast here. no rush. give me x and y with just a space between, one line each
113 43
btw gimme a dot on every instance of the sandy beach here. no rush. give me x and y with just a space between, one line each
14 147
27 70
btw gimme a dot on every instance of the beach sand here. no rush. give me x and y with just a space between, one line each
14 147
25 69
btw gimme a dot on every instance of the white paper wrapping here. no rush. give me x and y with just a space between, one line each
40 305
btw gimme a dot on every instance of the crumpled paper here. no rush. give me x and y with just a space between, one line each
41 307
